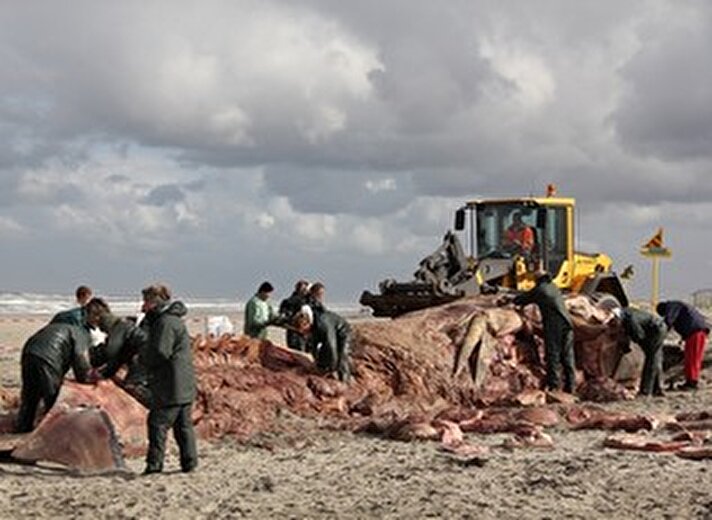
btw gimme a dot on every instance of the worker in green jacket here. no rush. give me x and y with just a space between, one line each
259 313
168 359
558 330
329 340
647 330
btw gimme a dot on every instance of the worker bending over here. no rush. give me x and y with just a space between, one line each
693 328
648 331
329 339
124 340
46 358
558 330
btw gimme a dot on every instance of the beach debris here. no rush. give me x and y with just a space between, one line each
534 438
412 427
603 390
695 452
597 418
639 442
685 444
452 440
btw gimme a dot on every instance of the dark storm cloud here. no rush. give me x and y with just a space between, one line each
165 194
666 111
117 179
8 188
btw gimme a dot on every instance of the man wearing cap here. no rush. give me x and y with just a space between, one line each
558 330
693 328
648 331
259 313
168 359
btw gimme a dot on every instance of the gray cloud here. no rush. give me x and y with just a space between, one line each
329 191
248 140
164 194
667 108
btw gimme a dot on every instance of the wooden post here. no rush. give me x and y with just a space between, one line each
655 250
656 282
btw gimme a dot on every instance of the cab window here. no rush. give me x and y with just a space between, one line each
504 230
555 239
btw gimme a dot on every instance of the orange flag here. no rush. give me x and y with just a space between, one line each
656 242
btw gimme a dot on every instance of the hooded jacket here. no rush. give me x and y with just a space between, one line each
549 300
123 342
683 318
168 357
644 328
62 346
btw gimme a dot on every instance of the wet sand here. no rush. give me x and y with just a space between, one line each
321 474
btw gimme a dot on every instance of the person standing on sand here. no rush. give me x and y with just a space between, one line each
168 359
558 330
648 331
47 356
693 328
77 315
259 313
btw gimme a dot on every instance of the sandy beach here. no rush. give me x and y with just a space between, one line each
317 473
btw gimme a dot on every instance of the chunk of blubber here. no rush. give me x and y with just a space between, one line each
82 439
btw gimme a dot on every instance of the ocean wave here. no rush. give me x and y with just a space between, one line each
49 304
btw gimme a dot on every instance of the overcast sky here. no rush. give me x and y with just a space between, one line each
215 144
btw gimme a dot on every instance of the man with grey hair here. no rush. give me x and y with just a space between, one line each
168 360
328 338
648 330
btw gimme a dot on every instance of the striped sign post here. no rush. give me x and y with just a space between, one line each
655 250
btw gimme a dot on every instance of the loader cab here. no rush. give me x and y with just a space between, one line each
530 232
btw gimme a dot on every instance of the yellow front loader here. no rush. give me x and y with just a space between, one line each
494 261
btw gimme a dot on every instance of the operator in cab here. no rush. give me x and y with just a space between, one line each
518 237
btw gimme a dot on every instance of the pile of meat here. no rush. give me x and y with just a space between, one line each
467 354
468 366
